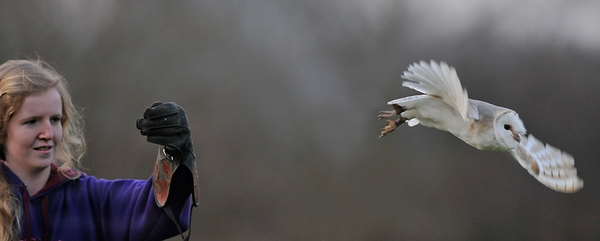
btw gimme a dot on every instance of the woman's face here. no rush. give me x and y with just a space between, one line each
34 132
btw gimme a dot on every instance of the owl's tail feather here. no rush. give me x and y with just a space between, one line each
410 102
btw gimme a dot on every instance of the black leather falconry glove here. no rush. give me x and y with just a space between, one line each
167 125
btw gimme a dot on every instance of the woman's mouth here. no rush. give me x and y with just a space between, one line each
42 148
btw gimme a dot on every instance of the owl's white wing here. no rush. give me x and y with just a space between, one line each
440 81
549 165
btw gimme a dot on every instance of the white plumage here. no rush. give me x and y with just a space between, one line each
445 105
549 165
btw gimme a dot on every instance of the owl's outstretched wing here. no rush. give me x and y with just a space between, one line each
549 165
440 80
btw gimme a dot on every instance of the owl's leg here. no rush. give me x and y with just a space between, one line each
391 124
389 113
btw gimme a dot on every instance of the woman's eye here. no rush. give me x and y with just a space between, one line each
56 119
507 127
29 122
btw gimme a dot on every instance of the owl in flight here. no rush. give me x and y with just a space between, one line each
444 105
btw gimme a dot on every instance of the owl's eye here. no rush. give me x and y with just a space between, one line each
507 127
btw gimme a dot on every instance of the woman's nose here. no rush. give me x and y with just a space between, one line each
46 130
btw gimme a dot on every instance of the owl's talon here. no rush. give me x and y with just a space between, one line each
386 114
389 113
391 126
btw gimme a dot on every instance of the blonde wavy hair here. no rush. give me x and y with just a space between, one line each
18 79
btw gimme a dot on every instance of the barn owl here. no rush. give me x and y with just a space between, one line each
445 105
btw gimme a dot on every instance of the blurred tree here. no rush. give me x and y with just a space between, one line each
282 96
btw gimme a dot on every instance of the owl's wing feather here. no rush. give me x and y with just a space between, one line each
439 80
409 101
549 165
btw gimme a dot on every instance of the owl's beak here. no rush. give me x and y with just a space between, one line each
517 137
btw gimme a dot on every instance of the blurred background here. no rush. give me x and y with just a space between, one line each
283 96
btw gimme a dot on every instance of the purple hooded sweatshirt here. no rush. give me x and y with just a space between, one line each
90 209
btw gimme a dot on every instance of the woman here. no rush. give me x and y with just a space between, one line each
44 197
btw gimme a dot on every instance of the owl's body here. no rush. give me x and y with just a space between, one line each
445 106
432 112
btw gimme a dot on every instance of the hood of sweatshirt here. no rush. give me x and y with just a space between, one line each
56 179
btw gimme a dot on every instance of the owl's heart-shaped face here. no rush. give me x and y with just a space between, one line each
509 129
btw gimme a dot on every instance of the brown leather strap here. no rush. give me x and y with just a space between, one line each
161 180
